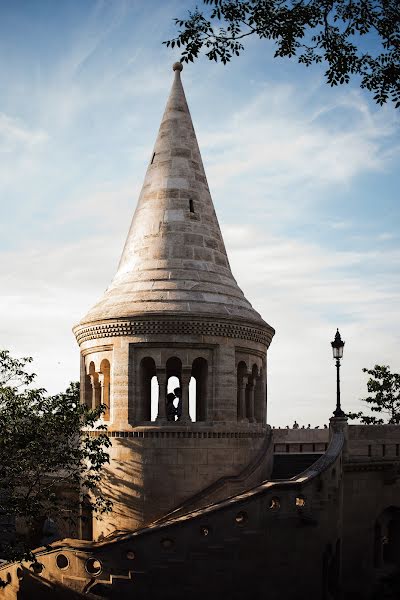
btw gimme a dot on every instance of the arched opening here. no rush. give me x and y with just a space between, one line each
105 387
193 399
242 379
174 386
88 391
96 388
198 390
250 394
89 385
260 405
147 396
154 398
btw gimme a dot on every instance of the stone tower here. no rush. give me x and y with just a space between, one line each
174 310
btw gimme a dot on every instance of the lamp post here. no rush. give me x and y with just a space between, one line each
337 349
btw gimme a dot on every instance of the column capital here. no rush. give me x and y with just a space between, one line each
186 374
244 381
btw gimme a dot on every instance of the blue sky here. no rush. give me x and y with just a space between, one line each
304 178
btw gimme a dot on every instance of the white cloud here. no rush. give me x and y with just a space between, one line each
273 142
305 292
15 135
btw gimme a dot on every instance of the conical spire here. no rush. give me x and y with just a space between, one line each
174 260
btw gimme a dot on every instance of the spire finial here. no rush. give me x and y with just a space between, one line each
177 66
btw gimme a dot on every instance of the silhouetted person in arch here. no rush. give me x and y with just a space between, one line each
171 410
178 394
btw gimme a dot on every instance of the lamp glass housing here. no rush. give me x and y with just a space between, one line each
337 346
337 351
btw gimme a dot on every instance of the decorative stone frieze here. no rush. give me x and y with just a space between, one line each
84 333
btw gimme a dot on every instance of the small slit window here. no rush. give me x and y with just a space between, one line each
153 157
191 205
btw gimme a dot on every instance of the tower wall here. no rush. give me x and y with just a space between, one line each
156 465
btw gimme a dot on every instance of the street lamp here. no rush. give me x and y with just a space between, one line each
337 349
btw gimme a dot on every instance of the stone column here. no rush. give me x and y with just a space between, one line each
101 384
250 396
242 398
162 388
104 396
186 375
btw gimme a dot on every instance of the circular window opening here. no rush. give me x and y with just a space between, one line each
167 543
37 567
300 502
205 531
130 555
274 504
241 518
62 562
93 566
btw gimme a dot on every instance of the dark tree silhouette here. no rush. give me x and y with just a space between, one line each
48 463
353 37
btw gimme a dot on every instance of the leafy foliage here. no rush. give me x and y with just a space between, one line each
384 389
48 462
313 31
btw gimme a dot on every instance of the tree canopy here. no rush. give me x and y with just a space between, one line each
48 463
384 389
353 37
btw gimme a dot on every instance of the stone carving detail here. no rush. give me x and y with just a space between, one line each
179 434
178 327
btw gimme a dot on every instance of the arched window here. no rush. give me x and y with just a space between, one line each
241 390
95 386
154 398
260 404
198 390
89 385
88 391
193 399
105 387
173 384
250 395
147 398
